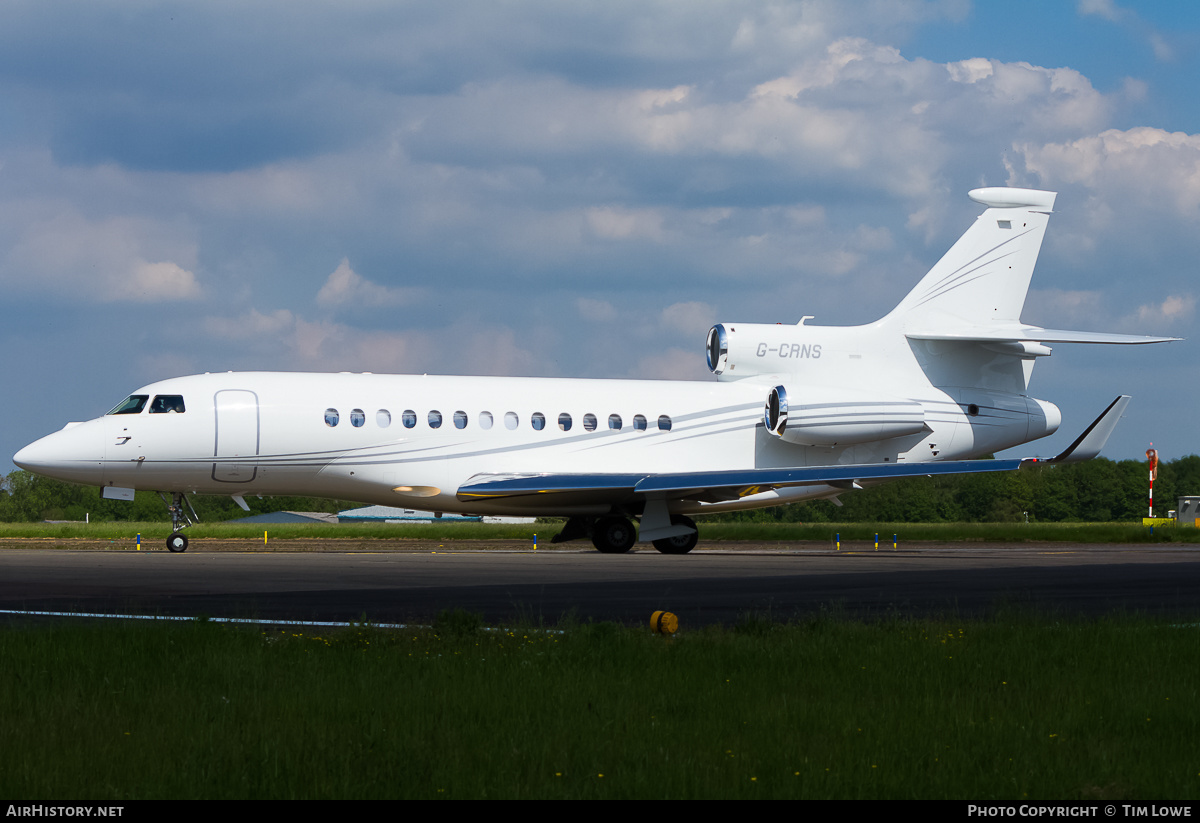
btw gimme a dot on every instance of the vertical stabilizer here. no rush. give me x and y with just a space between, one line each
983 279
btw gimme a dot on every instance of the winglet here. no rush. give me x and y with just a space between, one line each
1089 444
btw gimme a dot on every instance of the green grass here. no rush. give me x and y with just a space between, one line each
1019 707
710 533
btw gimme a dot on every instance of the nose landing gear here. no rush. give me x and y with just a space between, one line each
178 541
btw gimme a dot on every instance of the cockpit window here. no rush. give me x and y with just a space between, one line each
167 403
133 404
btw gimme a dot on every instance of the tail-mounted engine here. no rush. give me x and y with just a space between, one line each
818 416
746 349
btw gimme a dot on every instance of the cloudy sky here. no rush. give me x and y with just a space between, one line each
577 189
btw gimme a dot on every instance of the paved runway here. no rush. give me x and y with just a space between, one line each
707 586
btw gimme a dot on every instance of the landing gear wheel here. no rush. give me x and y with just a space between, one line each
177 542
613 535
682 544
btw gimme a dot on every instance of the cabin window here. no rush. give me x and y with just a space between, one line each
564 422
639 422
511 421
357 418
664 423
167 404
383 418
589 422
485 420
614 422
409 418
133 404
331 417
538 421
435 419
460 420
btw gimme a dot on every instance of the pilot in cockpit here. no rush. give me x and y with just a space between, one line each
167 404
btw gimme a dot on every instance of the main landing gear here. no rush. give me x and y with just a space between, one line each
615 534
178 541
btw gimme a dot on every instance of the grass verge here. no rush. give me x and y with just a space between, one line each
1020 707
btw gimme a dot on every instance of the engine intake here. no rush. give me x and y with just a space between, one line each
748 349
840 417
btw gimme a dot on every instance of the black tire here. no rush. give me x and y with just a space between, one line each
177 542
613 535
679 545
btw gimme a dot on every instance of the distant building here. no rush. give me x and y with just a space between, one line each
289 517
1188 509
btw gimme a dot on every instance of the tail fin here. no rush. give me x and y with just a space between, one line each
975 294
983 279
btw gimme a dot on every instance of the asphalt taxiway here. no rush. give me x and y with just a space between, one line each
706 586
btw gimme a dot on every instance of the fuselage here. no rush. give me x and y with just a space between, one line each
413 440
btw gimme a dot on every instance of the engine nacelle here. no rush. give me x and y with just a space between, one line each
746 349
819 416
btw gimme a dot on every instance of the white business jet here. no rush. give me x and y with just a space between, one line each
795 413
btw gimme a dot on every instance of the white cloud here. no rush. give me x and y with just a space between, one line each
1144 167
291 341
1131 20
346 287
973 70
1065 309
1101 8
1175 309
114 259
689 318
154 282
672 364
597 311
614 223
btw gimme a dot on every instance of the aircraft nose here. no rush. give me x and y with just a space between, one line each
37 456
73 454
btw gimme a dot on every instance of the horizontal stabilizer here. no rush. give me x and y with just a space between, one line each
1033 334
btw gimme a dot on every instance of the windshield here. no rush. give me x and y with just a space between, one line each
132 404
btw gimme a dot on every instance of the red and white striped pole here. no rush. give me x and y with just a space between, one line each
1152 456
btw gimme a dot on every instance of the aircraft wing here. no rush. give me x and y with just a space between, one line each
716 486
708 486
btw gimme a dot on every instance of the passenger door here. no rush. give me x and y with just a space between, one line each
237 436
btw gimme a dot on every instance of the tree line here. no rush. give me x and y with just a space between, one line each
26 498
1097 490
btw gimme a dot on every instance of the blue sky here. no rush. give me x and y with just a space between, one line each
540 188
